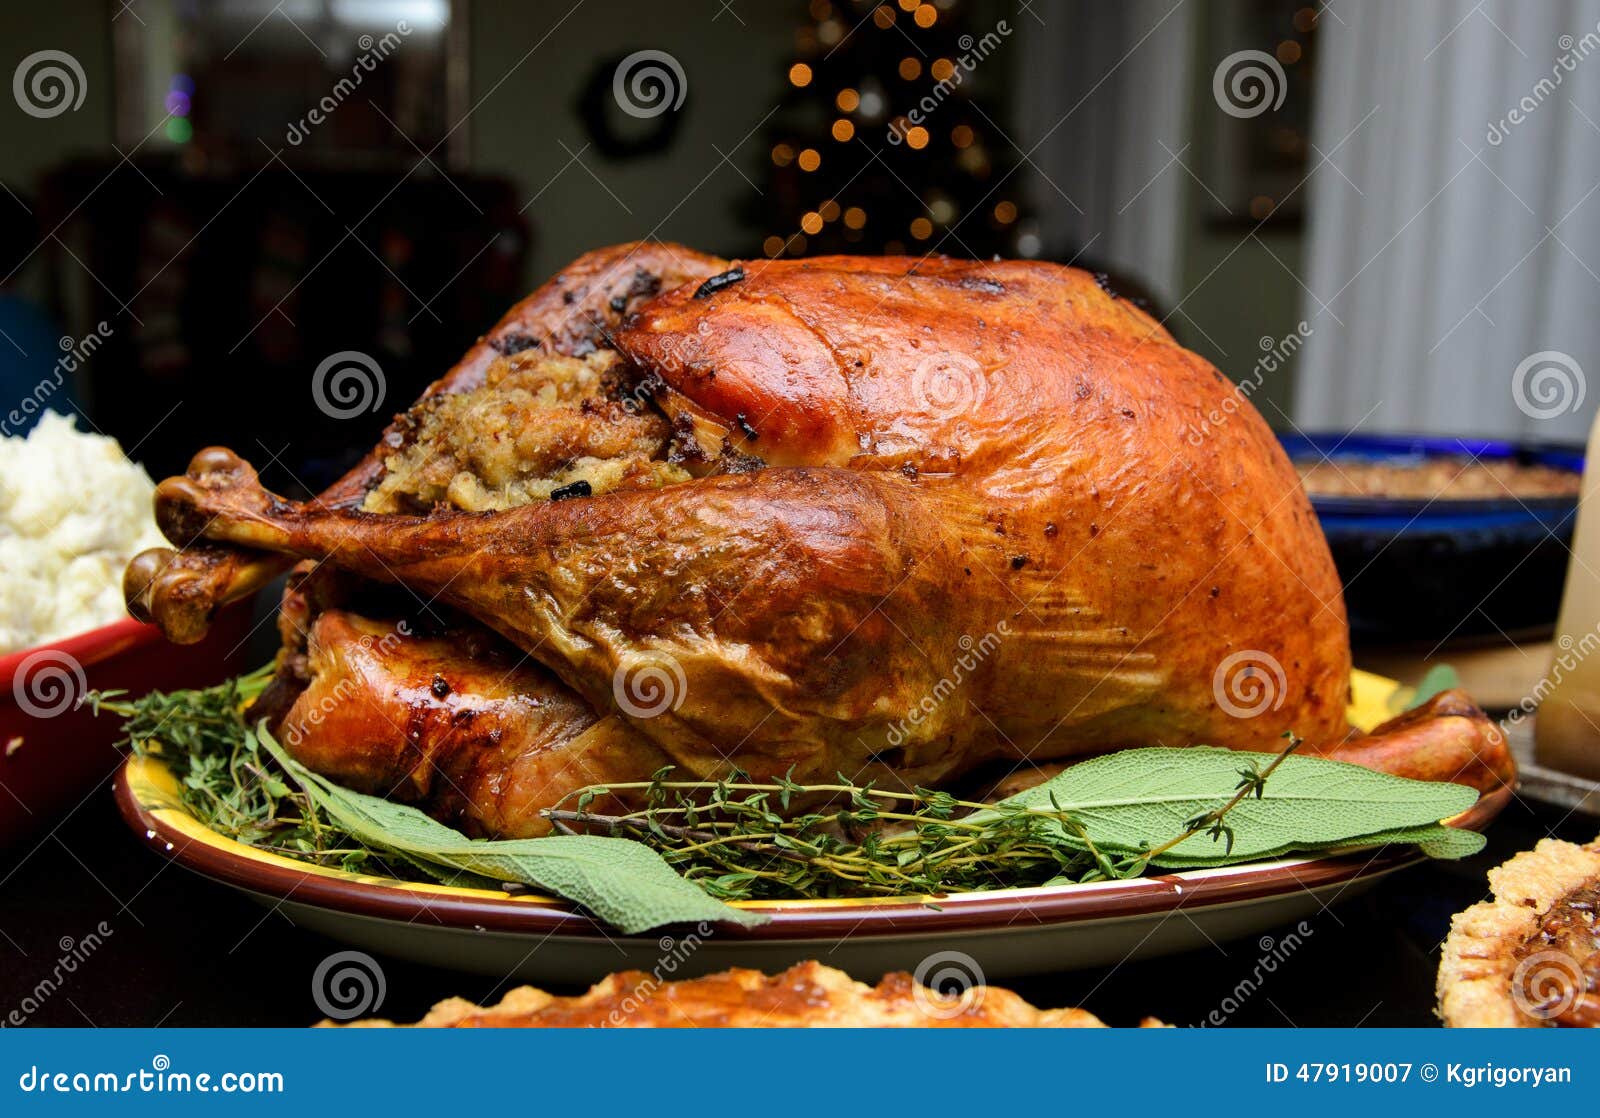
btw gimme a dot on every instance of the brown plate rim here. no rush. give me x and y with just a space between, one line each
1146 896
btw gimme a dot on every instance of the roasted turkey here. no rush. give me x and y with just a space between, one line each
895 519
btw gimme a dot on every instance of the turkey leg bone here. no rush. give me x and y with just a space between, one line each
570 315
807 670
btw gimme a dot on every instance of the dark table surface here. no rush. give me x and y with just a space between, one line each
178 950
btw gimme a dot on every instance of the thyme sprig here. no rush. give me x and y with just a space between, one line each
741 838
227 781
737 839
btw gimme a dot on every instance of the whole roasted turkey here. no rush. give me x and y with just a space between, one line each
902 520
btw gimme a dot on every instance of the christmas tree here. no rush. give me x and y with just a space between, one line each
882 143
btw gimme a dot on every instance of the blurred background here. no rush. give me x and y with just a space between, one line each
1375 217
238 188
268 224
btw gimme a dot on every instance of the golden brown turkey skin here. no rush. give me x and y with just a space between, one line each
571 315
456 723
979 531
1046 424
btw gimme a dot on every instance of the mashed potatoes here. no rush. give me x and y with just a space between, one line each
73 511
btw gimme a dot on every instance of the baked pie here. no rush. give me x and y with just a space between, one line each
807 995
1529 957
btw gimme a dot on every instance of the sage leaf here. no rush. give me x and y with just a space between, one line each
1440 677
1434 840
1128 801
623 882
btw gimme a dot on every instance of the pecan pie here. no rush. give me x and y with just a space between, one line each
1529 957
807 995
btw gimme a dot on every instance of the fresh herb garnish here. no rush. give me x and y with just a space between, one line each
1110 817
1096 821
241 783
624 883
228 782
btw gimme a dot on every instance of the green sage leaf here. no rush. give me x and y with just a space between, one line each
621 881
1129 801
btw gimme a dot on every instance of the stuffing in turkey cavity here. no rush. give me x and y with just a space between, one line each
539 426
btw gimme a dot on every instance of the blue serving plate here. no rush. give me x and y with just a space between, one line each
1420 570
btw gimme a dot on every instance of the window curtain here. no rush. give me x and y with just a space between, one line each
1102 106
1454 237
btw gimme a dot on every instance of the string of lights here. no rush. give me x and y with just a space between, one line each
883 141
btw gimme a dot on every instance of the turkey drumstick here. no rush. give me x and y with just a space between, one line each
889 518
572 314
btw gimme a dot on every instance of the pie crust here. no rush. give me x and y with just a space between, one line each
1530 956
807 995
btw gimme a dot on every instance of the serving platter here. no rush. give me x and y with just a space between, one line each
1003 932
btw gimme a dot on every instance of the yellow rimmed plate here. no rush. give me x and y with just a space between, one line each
1007 932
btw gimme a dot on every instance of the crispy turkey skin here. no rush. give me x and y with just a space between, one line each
889 518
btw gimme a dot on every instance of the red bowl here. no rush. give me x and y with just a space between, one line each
54 753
